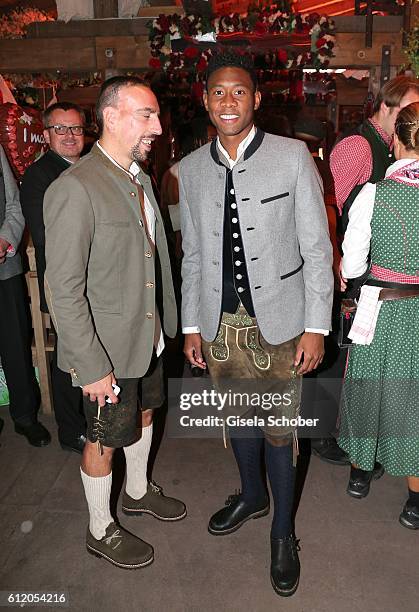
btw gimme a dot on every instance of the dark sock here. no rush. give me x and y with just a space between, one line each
357 472
414 498
281 474
248 454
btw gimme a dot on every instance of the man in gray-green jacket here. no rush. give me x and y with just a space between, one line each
108 282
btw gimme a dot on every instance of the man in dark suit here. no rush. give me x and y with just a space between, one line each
64 129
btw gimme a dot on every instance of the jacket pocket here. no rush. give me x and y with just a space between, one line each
104 288
275 197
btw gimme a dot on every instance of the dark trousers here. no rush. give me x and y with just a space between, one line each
15 351
68 403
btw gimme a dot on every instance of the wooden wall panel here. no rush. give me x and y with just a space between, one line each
129 52
36 55
351 51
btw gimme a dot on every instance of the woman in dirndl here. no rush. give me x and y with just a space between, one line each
380 401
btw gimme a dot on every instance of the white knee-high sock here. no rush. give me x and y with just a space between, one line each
136 456
98 495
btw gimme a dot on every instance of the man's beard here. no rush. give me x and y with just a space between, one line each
137 155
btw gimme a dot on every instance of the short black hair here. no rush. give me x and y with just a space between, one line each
65 106
109 92
232 59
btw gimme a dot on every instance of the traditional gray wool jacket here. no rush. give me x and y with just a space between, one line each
280 217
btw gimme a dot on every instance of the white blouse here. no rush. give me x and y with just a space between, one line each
356 244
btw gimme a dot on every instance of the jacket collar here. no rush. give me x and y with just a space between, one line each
142 177
249 151
58 159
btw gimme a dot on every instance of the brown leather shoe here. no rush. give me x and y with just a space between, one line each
121 548
154 503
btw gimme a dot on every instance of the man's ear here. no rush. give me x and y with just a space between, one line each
110 116
386 110
258 98
205 99
46 136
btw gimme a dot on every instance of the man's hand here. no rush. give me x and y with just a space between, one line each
343 280
311 350
4 245
100 389
193 350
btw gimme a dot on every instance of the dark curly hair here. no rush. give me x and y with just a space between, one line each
231 59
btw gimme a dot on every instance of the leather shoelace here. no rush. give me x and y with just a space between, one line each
233 498
156 488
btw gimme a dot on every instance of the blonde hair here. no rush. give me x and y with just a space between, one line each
407 127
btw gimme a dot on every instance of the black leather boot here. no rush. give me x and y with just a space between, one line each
360 480
285 565
235 514
410 516
327 449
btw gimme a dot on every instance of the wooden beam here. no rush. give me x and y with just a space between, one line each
50 55
90 27
356 23
103 9
131 52
369 25
351 51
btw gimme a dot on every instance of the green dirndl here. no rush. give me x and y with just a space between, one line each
380 399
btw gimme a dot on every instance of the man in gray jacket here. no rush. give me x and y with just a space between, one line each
15 332
109 291
257 290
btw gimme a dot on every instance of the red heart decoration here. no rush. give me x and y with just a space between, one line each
21 134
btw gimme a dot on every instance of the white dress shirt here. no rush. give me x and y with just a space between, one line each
133 173
232 162
356 244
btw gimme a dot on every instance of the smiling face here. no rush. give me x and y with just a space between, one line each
67 145
231 100
131 126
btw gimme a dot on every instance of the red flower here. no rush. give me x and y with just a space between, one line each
164 23
260 28
320 42
282 56
201 65
191 52
155 63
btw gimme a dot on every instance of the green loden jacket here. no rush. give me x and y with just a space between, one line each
100 280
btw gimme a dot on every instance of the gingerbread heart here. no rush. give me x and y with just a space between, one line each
21 134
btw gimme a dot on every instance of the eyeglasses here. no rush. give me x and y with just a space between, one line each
61 130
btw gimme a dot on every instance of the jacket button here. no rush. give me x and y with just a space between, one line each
149 315
148 254
149 285
132 194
